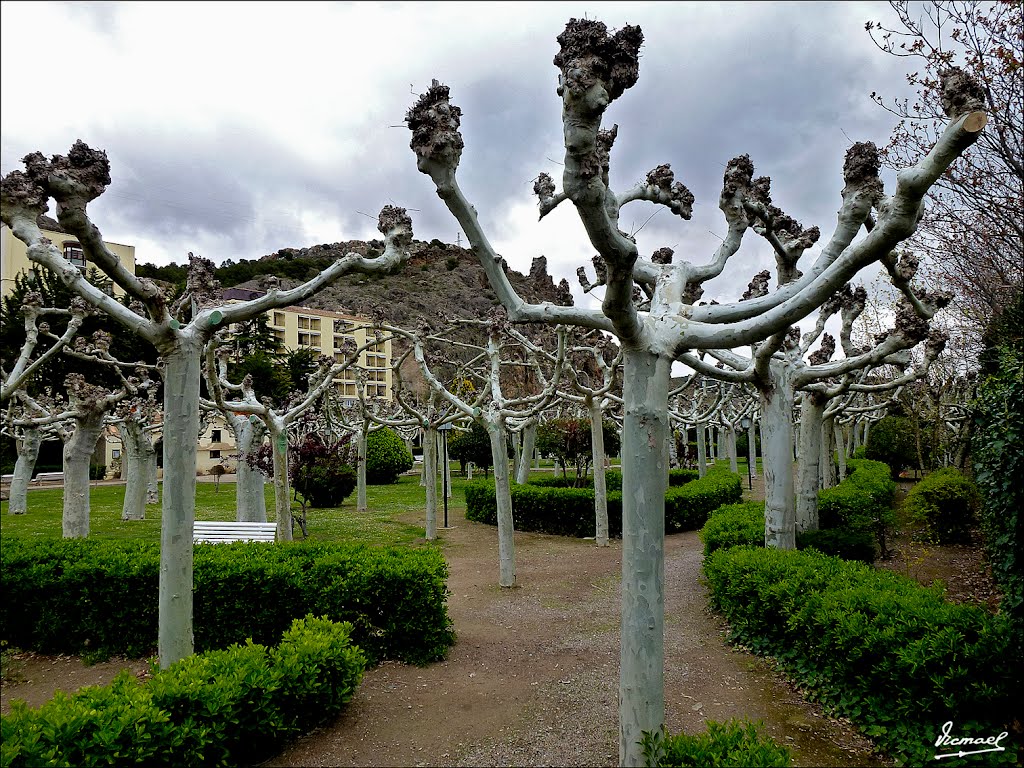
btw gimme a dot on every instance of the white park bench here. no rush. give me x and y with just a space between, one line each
50 477
217 531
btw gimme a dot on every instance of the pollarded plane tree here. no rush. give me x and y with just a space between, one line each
694 409
249 432
136 418
276 418
79 422
28 439
595 398
595 69
493 409
428 413
73 181
30 357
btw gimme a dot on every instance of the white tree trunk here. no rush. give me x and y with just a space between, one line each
712 444
133 471
250 484
752 449
808 469
702 450
600 482
182 370
777 461
430 470
841 446
503 498
28 453
361 472
469 470
149 465
282 487
517 454
730 447
829 444
526 457
78 452
644 482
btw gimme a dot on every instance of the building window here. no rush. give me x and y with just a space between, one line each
215 436
309 340
73 252
115 453
214 454
278 318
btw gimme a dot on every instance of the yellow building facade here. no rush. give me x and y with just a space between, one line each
14 258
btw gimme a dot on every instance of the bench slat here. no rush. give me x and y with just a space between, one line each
216 531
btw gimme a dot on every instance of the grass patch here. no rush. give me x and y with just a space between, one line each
391 510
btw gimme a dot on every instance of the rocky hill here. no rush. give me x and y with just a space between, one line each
437 276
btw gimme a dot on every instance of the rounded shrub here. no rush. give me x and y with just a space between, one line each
891 441
386 457
945 504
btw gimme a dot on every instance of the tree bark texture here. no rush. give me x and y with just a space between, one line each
600 482
503 499
78 452
777 461
808 468
28 453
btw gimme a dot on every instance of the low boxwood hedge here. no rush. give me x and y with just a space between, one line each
612 480
722 745
945 503
235 706
570 511
734 525
99 598
875 646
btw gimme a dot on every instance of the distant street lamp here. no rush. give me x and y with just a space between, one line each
444 429
745 426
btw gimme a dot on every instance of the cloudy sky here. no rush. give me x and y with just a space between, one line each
237 129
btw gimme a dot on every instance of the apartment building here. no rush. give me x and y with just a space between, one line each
14 258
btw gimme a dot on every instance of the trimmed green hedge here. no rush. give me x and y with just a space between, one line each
235 706
862 502
612 480
734 525
840 542
99 598
875 646
722 745
945 503
570 511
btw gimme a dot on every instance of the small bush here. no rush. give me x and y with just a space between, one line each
945 504
862 502
97 471
235 706
891 441
840 542
386 457
734 525
732 743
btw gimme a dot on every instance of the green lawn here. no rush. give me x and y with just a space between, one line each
395 513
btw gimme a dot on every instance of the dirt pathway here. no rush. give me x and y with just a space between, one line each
533 678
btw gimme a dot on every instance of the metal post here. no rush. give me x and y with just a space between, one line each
745 425
444 478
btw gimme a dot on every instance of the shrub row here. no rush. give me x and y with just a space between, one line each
743 525
732 743
875 646
570 511
862 502
945 504
99 598
612 480
235 706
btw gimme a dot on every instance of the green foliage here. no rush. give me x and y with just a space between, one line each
945 504
891 441
998 450
860 452
569 441
732 744
862 502
874 646
734 525
322 474
570 511
99 598
229 707
840 542
97 471
386 457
